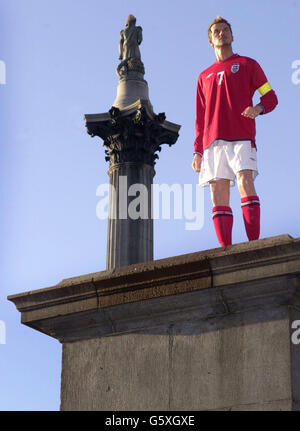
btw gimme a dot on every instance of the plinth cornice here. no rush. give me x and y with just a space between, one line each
209 283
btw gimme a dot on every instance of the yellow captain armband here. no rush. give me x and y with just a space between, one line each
264 89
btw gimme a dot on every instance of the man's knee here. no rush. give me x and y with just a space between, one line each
220 192
245 181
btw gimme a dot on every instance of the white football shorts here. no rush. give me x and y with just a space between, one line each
223 159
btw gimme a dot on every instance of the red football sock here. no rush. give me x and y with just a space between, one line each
251 214
223 221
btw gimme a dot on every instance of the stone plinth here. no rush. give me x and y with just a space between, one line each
204 331
131 88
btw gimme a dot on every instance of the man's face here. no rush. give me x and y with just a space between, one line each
220 35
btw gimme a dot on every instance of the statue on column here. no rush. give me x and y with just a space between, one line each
131 38
129 52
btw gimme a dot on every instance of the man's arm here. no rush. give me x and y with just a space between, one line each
199 128
268 99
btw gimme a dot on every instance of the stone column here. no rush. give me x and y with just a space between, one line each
130 223
132 135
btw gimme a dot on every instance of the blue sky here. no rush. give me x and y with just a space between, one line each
60 59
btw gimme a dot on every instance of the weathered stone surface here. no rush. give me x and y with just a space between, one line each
232 367
242 368
127 370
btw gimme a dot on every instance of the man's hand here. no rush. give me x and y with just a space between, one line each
196 162
252 111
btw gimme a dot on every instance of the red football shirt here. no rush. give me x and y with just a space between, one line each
224 91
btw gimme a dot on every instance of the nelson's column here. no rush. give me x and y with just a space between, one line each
132 134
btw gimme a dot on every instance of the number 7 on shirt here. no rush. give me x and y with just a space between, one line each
221 76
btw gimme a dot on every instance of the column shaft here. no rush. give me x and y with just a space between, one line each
130 223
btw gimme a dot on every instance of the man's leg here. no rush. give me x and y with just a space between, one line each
250 203
221 212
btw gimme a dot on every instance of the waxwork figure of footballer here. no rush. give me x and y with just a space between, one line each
225 148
